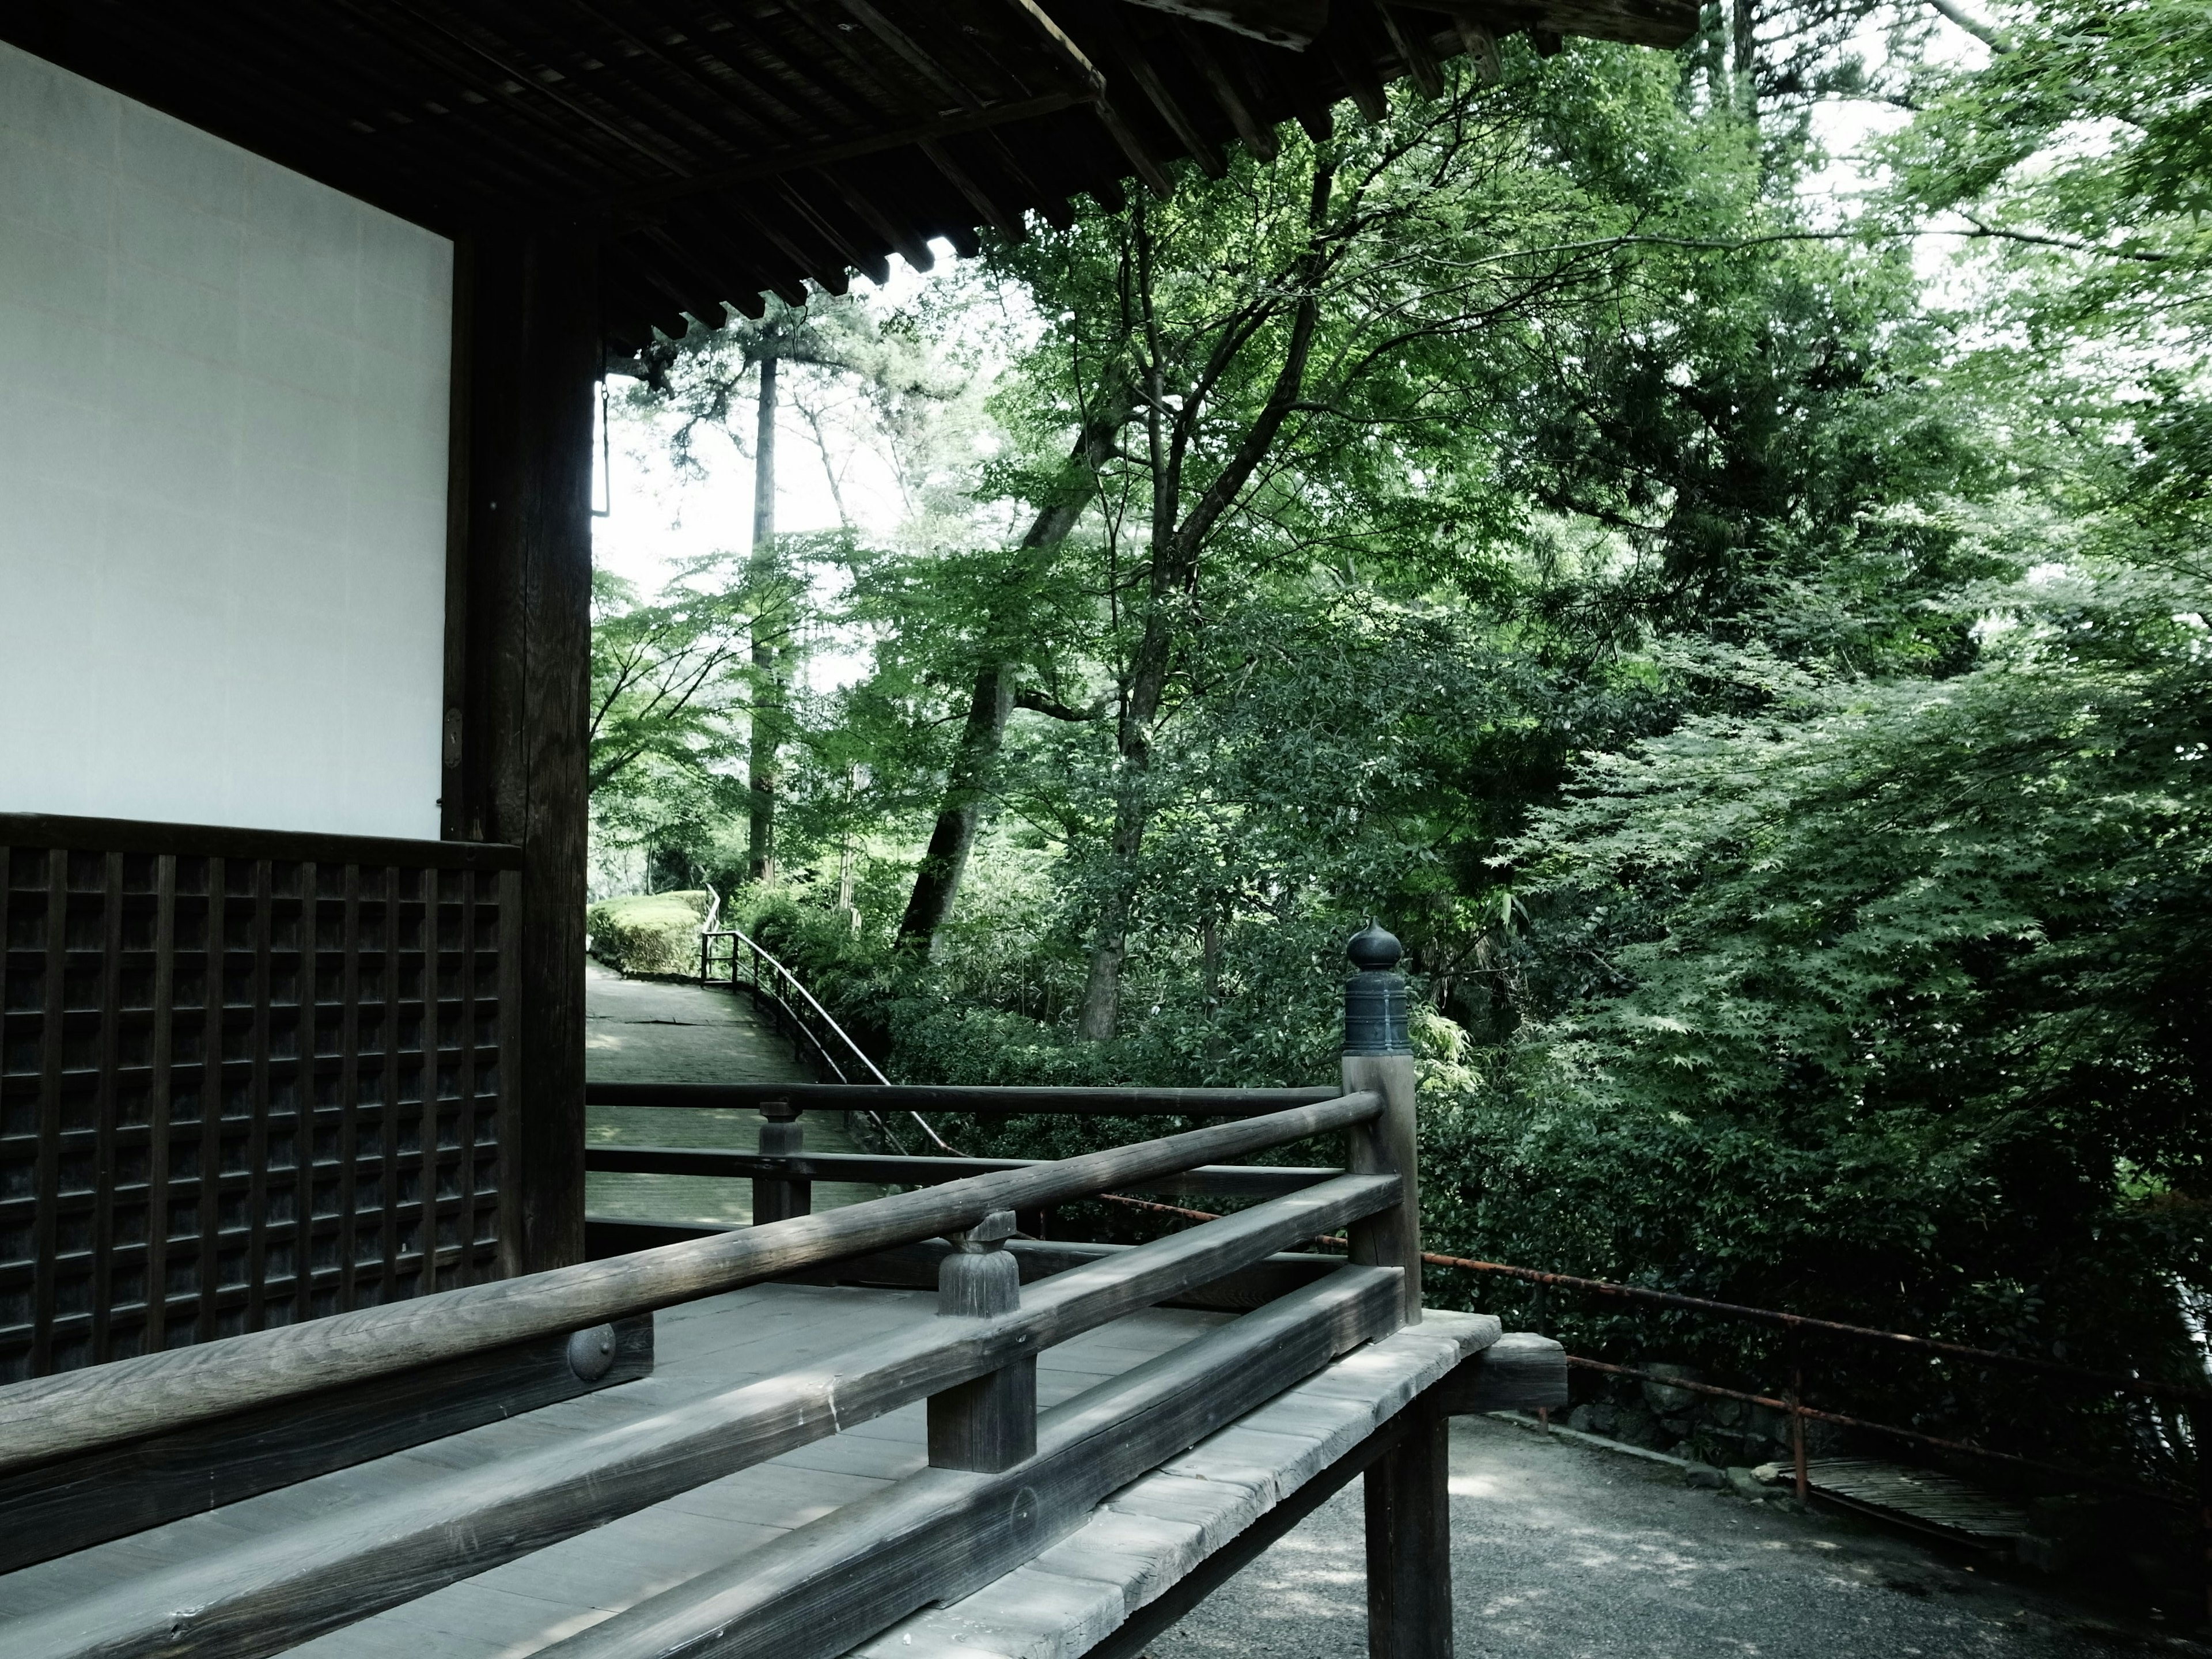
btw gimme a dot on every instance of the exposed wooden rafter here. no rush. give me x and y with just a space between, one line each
723 147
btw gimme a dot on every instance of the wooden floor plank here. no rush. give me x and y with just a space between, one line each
514 1609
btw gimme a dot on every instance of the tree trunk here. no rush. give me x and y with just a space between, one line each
1176 548
766 735
937 883
991 705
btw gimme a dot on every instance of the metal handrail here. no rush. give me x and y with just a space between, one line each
709 933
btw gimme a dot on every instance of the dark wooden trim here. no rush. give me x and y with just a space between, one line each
71 1505
452 709
950 1098
214 840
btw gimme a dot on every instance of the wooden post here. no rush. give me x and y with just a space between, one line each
988 1424
1378 1055
1409 1603
776 1198
1409 1611
519 633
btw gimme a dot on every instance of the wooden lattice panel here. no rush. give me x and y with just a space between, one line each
249 1080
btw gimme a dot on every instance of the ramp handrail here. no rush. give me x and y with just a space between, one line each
856 1059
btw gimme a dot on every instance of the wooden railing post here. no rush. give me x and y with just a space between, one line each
1409 1611
989 1423
778 1198
1378 1055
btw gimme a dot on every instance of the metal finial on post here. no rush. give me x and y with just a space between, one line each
1375 997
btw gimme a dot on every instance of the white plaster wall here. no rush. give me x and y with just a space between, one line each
223 478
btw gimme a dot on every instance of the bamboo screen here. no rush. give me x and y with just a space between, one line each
245 1079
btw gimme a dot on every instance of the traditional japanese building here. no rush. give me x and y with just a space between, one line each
302 311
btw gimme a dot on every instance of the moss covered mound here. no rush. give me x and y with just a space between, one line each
648 932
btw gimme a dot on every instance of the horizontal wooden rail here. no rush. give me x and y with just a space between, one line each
1240 1179
59 1416
286 1588
825 1587
948 1097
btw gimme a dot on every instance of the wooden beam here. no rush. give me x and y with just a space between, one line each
1135 1635
951 1097
1058 42
897 230
284 1589
942 1534
916 56
1481 51
913 1266
868 262
1388 1144
987 1423
1008 225
1259 137
533 324
1519 1372
1414 50
1131 53
1293 23
222 841
60 1416
1134 150
722 179
1248 1181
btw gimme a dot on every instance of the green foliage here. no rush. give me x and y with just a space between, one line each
648 933
1771 706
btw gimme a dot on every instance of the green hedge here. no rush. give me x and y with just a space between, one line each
648 932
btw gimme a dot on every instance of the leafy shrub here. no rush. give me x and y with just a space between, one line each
649 932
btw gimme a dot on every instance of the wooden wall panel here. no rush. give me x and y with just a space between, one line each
245 1078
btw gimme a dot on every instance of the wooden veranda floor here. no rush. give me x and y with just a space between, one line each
531 1602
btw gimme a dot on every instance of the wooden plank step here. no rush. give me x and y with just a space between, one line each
1926 1499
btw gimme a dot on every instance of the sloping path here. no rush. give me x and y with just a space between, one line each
1564 1552
642 1030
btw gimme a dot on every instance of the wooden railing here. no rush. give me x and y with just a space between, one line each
1002 1480
970 1366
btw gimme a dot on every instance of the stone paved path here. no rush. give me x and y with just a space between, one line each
1564 1552
639 1031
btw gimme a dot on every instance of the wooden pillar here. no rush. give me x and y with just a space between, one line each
1409 1606
778 1198
527 354
1409 1610
1379 1055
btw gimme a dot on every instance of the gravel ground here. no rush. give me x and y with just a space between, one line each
1565 1550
